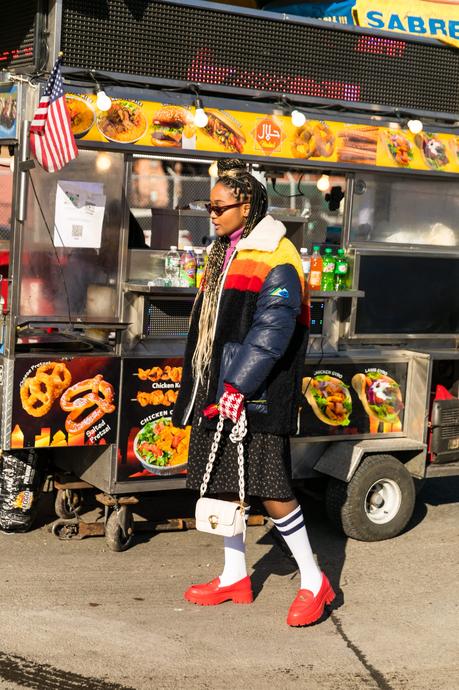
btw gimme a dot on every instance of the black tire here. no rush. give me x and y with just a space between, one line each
114 536
349 506
67 503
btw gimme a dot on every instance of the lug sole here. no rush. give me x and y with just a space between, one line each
315 614
239 598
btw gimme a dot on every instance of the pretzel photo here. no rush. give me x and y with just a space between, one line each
39 392
36 397
92 393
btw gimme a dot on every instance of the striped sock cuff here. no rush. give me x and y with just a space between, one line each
291 522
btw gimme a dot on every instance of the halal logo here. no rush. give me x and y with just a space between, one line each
268 135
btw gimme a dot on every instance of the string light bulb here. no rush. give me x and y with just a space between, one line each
415 126
200 115
103 161
323 183
213 169
103 101
298 118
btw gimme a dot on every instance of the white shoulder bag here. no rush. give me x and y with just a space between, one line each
225 518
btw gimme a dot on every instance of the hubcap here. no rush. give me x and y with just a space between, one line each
383 501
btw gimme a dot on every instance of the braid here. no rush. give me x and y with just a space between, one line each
232 173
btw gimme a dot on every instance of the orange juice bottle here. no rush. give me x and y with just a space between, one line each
315 276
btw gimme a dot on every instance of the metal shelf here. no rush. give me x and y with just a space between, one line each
316 294
143 287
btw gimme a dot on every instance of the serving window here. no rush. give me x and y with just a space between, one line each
405 211
71 252
166 199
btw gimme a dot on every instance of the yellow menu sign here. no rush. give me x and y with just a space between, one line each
152 125
421 18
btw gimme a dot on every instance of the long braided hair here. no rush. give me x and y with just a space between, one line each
232 173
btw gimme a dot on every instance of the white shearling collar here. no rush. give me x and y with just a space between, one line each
265 236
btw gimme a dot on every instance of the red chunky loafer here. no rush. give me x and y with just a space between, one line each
307 608
210 593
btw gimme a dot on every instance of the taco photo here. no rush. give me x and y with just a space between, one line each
380 396
433 150
399 148
329 398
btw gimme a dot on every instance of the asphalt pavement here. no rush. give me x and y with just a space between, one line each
75 615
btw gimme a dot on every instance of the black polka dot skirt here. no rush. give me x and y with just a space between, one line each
267 464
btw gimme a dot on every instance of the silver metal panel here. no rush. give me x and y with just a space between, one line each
54 30
95 471
392 446
142 486
341 460
417 396
7 402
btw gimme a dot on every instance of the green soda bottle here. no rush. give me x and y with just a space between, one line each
341 270
328 271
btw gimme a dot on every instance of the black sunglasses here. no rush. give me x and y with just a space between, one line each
218 210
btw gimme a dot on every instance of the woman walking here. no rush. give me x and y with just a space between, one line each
245 349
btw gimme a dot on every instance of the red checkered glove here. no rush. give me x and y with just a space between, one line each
231 403
229 406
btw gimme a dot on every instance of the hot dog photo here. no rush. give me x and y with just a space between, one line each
381 399
225 131
65 402
329 398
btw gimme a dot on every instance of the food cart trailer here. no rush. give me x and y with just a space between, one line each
93 334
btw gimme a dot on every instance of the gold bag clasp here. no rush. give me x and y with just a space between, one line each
213 519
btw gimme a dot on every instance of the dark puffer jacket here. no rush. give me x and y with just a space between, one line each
260 334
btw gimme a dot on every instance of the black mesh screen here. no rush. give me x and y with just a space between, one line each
167 318
19 27
225 48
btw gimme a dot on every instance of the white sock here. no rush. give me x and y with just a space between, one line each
235 568
293 530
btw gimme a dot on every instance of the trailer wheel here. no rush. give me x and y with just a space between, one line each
119 529
67 503
376 504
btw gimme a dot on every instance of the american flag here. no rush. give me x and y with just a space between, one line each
51 138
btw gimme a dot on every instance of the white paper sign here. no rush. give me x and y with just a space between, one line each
80 208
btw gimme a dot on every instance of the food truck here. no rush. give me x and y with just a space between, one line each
94 329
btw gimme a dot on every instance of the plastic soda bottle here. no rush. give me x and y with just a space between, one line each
315 275
200 265
188 267
172 265
328 271
341 270
305 261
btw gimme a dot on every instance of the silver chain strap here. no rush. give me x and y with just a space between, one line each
238 432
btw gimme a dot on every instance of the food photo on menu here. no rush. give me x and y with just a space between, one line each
329 398
225 130
67 402
313 140
381 398
352 400
123 122
151 446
